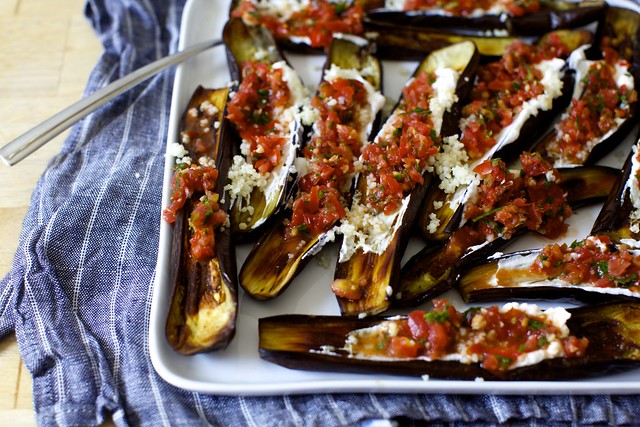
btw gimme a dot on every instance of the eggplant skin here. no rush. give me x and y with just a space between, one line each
296 342
203 308
553 16
614 217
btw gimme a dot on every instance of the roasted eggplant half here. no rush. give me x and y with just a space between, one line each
520 342
592 270
344 112
265 110
511 101
505 205
620 214
393 176
601 113
531 18
203 310
305 26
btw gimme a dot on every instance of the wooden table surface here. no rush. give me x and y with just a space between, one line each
47 50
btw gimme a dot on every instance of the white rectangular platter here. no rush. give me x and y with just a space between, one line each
238 370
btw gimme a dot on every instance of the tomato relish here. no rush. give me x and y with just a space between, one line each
395 162
500 90
509 200
468 7
594 260
255 110
499 338
331 153
602 107
316 19
206 215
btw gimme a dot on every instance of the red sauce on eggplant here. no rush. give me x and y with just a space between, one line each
206 215
594 114
331 153
591 261
396 161
318 21
466 7
507 201
500 90
255 109
494 337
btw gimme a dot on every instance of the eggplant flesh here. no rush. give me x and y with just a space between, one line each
366 273
283 252
435 268
310 343
251 211
552 16
203 308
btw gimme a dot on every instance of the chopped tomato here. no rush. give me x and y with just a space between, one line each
397 160
502 87
187 182
507 201
331 154
255 109
497 337
317 211
600 108
593 260
206 215
318 21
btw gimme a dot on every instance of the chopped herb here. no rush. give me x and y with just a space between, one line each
602 268
486 214
536 325
576 244
543 341
436 316
503 361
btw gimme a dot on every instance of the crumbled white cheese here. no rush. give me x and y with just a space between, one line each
206 161
208 108
451 165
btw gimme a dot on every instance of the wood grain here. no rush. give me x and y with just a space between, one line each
47 50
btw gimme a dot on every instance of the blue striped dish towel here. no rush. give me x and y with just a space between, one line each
78 295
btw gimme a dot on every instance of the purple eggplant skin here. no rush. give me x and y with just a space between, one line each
613 331
613 218
405 43
553 16
422 278
472 285
203 310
